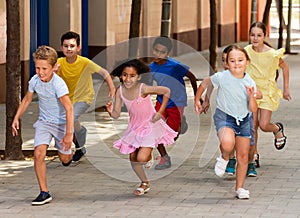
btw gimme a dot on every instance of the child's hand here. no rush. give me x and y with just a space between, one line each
15 127
109 107
156 117
205 106
198 107
250 91
67 142
56 68
286 94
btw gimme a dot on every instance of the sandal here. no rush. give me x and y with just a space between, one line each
143 189
279 142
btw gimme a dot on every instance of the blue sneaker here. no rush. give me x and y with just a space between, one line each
230 168
251 172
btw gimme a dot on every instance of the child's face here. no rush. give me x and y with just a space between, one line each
237 62
257 36
224 61
70 48
160 53
44 70
129 77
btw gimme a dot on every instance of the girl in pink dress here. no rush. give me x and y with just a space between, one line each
146 129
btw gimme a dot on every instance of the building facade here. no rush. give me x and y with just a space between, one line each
105 23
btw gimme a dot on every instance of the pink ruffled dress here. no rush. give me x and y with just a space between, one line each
141 132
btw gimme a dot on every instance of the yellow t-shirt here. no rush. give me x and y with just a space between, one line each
262 68
78 77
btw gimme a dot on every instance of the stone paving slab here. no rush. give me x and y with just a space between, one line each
101 185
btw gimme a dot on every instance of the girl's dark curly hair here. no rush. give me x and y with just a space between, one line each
140 67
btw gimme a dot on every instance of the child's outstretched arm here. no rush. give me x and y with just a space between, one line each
202 87
193 80
104 73
114 108
22 108
286 79
252 99
157 90
68 137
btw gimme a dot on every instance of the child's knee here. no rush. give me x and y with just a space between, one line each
40 152
66 159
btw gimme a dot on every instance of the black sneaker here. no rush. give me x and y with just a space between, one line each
78 154
43 198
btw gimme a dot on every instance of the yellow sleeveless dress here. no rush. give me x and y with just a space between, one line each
262 68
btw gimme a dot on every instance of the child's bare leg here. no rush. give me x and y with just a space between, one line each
227 138
40 166
242 152
137 159
66 159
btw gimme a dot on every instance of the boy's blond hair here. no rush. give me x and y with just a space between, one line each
46 53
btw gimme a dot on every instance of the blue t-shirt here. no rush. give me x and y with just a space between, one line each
51 109
171 75
232 97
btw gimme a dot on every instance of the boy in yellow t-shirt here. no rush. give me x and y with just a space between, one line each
77 73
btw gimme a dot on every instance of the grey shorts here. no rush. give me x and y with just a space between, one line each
45 131
79 109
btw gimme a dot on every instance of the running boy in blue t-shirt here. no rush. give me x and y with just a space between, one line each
169 72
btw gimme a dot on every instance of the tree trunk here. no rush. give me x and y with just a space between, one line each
253 12
288 29
166 18
281 23
213 37
134 28
13 145
267 12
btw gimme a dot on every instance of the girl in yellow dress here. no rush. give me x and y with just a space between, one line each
265 61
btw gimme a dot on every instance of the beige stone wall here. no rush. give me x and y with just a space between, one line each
121 19
204 14
151 19
25 29
98 34
227 12
184 17
2 32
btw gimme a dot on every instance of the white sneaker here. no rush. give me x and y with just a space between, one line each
220 166
242 193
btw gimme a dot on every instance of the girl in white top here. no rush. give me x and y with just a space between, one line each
235 100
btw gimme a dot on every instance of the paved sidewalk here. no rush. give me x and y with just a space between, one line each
102 184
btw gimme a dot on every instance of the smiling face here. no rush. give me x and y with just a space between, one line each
70 48
130 77
44 70
257 37
237 62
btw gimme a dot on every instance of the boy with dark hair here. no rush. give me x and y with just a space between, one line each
169 72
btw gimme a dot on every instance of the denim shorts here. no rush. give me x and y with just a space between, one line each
222 119
45 131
